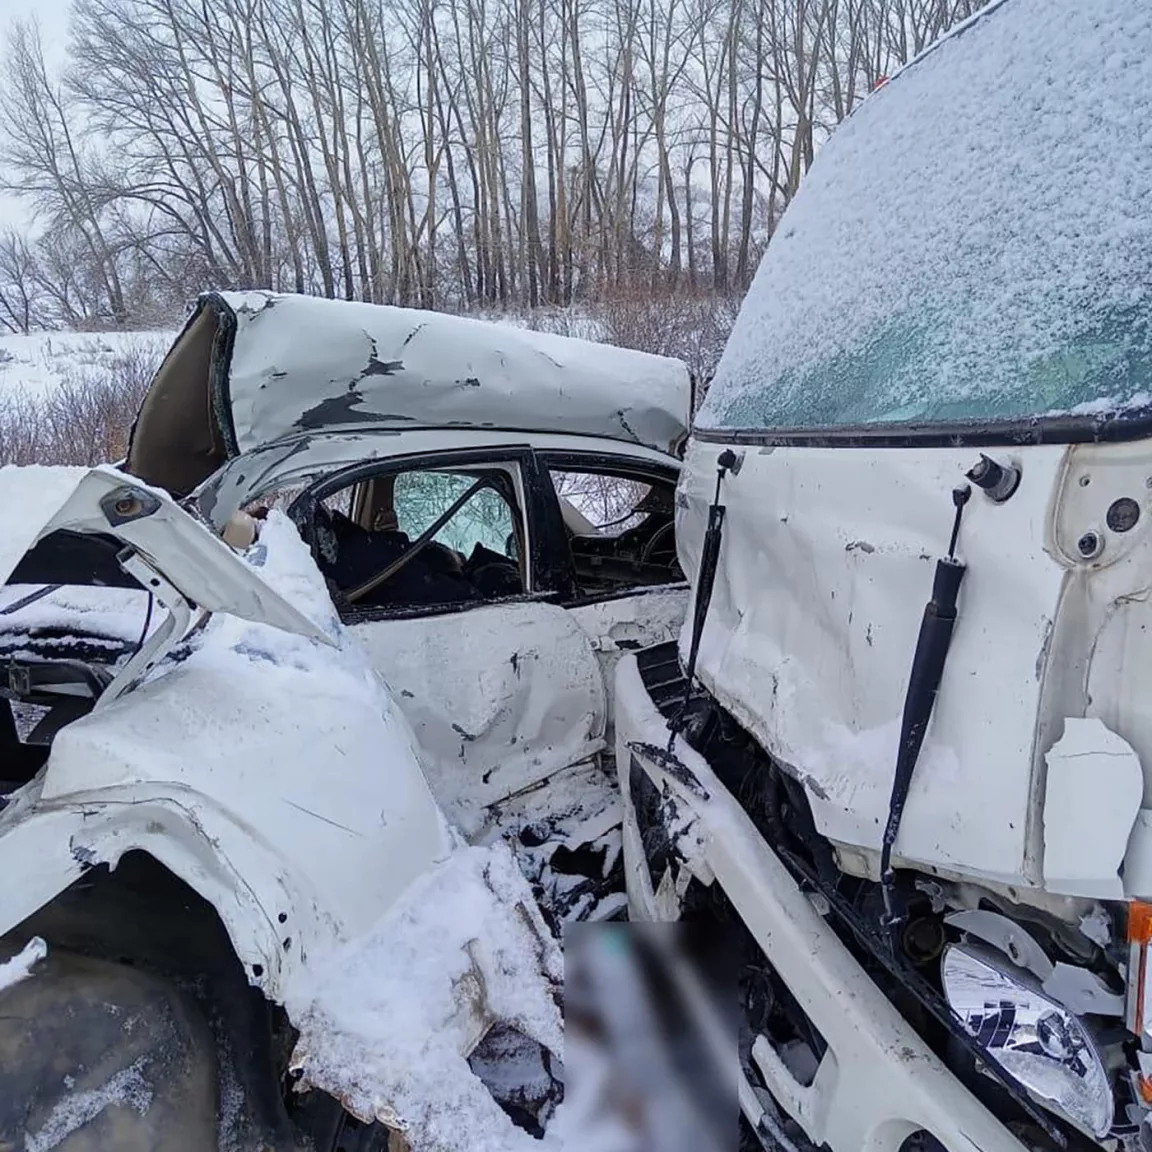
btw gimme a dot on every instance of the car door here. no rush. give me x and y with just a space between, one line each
502 689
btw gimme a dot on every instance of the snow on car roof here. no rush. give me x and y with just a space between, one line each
299 364
973 244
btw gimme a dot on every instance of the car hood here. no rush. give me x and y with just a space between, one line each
105 502
251 368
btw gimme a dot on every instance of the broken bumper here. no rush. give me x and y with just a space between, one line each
878 1082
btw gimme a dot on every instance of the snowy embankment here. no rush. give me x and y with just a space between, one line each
38 363
70 397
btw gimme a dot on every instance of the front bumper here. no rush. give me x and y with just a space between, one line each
878 1082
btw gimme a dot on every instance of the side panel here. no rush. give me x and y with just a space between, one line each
268 770
499 697
826 566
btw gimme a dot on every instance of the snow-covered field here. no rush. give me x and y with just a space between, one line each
38 363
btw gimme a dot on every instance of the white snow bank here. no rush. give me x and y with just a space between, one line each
21 965
385 1020
973 243
30 497
37 363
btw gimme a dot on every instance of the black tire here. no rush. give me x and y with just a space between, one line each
99 1057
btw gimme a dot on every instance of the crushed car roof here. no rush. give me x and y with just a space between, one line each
262 366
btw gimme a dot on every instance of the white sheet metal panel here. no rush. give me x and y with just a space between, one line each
301 363
826 566
500 698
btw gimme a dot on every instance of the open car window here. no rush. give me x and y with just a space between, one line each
620 528
424 537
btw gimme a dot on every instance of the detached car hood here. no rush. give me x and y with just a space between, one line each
153 529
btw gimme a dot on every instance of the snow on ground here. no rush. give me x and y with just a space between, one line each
37 363
21 965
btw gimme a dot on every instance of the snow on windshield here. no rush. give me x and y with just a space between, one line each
975 243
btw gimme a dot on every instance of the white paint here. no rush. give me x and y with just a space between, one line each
500 697
1093 795
21 965
296 361
626 624
269 770
878 1082
503 697
826 565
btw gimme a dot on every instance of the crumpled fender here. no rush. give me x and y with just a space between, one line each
274 774
46 845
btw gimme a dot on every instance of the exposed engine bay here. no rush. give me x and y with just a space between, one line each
992 985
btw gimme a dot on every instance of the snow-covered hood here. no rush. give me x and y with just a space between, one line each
265 365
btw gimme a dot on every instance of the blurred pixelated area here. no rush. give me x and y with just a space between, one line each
651 1049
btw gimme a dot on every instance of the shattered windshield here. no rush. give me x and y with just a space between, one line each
973 245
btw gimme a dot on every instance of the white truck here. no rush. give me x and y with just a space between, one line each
910 757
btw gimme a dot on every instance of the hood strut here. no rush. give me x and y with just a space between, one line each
726 462
932 646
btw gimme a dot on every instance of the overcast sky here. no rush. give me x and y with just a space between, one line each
52 16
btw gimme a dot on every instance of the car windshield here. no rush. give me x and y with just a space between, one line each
974 244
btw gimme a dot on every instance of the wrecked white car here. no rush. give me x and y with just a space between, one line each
912 760
233 726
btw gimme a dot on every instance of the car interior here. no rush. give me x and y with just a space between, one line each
620 529
441 537
423 538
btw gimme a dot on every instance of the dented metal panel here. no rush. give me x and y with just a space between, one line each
827 562
304 364
500 698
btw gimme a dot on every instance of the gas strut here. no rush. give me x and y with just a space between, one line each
927 671
726 462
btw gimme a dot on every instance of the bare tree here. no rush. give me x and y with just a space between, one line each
492 153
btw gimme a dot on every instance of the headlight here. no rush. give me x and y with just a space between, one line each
1040 1044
